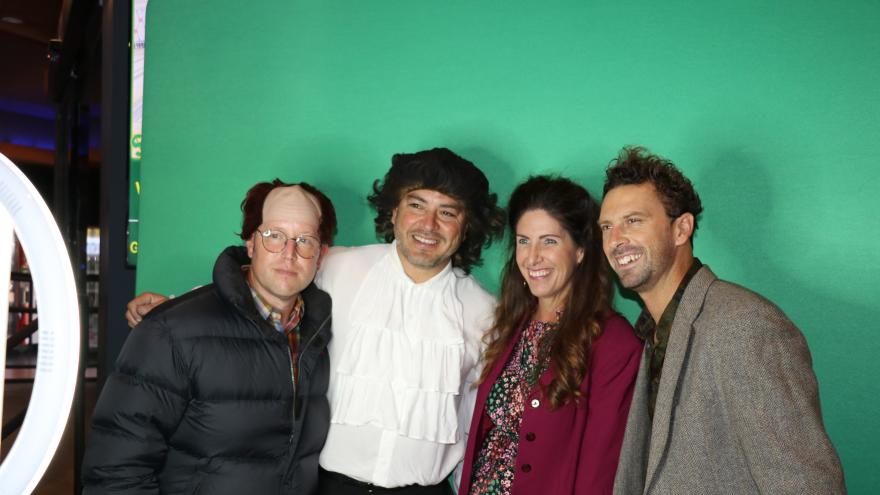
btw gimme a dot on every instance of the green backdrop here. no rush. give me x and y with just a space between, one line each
770 107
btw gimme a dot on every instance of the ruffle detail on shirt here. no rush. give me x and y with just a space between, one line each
420 400
401 367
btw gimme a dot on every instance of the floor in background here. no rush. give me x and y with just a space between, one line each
58 479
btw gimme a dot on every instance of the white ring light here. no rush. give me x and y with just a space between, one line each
58 354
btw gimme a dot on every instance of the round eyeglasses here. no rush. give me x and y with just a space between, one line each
305 245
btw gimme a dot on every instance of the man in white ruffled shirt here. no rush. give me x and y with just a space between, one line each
408 321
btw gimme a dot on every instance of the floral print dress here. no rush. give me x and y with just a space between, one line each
494 465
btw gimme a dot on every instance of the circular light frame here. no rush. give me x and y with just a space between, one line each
58 355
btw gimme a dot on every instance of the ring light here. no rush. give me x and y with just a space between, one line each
58 311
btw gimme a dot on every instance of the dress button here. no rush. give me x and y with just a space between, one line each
535 403
526 468
530 436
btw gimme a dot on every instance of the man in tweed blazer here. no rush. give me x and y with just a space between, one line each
726 400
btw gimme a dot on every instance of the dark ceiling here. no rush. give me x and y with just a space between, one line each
27 111
26 26
30 83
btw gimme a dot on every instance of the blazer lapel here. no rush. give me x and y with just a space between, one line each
679 340
630 476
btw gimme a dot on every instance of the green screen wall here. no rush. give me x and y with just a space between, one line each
771 108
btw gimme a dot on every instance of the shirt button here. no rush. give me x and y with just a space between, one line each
530 436
526 468
535 403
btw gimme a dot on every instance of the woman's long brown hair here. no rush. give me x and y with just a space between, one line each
589 299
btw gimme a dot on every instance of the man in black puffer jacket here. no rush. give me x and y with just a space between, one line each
223 390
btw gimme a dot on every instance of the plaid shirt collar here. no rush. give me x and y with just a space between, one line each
273 316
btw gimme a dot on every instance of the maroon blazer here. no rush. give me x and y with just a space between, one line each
573 449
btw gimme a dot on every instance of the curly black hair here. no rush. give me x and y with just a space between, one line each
636 165
441 170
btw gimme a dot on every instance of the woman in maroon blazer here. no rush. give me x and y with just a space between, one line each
560 363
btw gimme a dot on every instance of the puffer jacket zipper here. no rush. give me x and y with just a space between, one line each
301 352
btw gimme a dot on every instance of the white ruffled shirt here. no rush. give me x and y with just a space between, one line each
404 357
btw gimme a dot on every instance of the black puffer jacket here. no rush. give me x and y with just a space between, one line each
202 399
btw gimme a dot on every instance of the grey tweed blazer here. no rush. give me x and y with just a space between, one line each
737 410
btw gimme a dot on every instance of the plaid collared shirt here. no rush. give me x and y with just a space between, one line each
273 316
290 328
656 337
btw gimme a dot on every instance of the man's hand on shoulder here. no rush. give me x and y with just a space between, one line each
142 304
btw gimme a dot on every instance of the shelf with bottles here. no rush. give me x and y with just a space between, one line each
23 308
